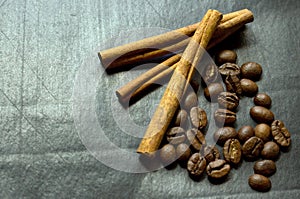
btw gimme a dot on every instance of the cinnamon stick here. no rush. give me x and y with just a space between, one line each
127 54
155 74
173 93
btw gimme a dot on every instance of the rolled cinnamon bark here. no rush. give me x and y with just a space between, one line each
142 82
173 93
137 52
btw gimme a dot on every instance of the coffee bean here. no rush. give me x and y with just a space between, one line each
224 117
261 114
233 85
259 183
263 131
280 134
244 133
228 100
167 154
183 152
249 87
198 117
265 167
251 70
181 118
270 151
252 148
196 164
218 169
176 135
210 74
232 151
223 134
225 56
196 138
190 101
212 91
229 69
262 99
211 153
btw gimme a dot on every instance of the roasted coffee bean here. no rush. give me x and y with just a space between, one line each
218 169
212 91
196 164
228 100
262 99
211 153
183 152
224 117
167 154
190 101
226 56
252 148
233 85
223 134
280 134
229 69
251 70
211 74
249 87
244 133
176 135
265 167
261 114
270 151
181 118
198 117
232 151
263 131
196 138
259 183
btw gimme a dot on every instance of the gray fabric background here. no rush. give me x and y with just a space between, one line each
43 44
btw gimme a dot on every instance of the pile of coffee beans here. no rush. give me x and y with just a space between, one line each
185 140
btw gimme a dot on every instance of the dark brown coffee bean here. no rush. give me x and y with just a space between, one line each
196 164
212 91
223 134
270 151
183 152
263 131
249 87
196 138
181 118
190 101
229 69
233 85
224 117
280 134
244 133
228 100
211 153
226 56
262 99
251 70
167 154
232 151
176 135
211 74
252 148
259 183
198 117
218 169
261 114
265 167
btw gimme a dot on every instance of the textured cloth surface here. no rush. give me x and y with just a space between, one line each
44 43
